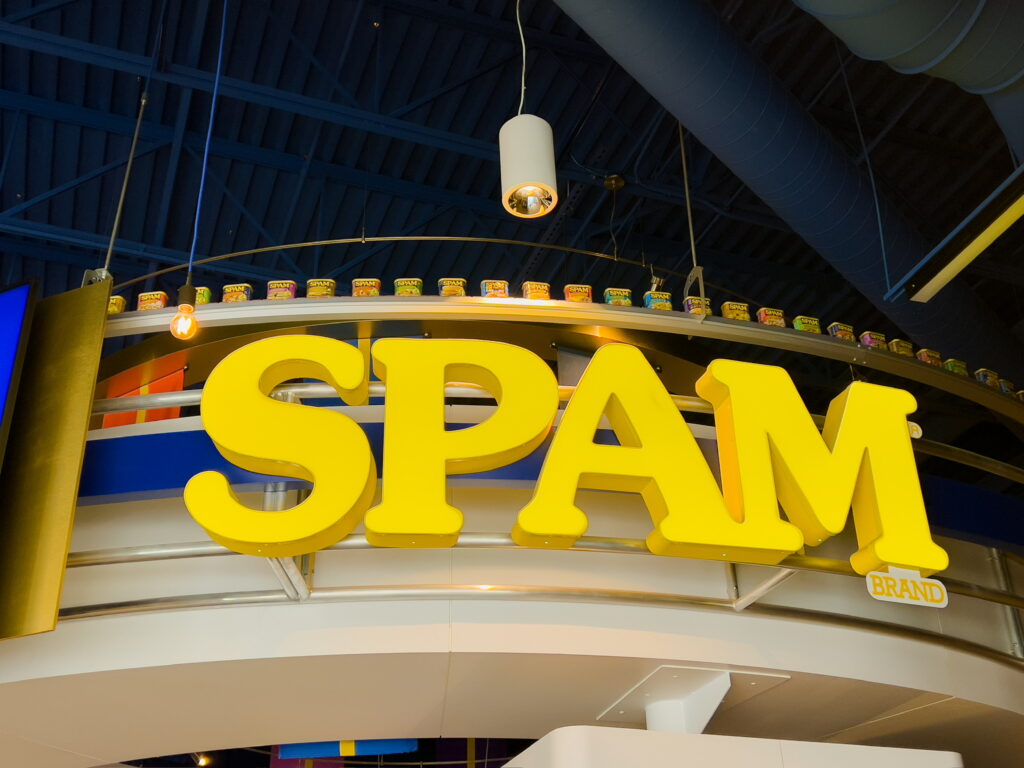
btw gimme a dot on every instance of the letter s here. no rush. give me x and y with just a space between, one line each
268 436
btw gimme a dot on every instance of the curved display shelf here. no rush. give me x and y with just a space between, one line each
563 313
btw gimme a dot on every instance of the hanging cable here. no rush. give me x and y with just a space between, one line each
867 162
611 226
206 149
686 187
522 79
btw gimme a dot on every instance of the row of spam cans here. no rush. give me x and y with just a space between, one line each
457 286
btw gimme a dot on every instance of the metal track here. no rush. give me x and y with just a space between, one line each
303 312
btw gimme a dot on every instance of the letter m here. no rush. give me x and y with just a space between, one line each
772 454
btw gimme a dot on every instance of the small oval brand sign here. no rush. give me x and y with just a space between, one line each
908 587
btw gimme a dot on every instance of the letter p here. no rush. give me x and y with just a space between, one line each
420 452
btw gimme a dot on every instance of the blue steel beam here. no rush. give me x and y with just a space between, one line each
77 182
449 87
117 124
410 230
253 93
124 247
35 10
180 121
244 210
310 57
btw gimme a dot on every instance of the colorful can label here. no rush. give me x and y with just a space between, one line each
771 316
695 305
901 347
959 367
366 286
872 339
320 288
236 292
451 286
807 324
408 286
736 310
988 377
537 291
619 297
582 293
116 305
282 289
658 300
1006 386
841 331
929 356
203 295
151 300
494 289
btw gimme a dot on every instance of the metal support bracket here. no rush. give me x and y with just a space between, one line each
682 699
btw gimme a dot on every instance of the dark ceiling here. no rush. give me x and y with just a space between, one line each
341 118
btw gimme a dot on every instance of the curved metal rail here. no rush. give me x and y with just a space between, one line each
302 312
158 552
533 593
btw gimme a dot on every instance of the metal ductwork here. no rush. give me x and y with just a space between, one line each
977 44
685 56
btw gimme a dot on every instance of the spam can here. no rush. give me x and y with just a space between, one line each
771 316
236 292
408 286
151 300
365 287
658 300
1006 386
494 289
901 347
872 339
619 297
988 377
320 288
116 305
736 310
282 289
807 324
582 293
841 331
959 367
203 295
451 286
929 356
537 291
695 305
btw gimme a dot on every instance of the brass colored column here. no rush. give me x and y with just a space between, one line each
43 462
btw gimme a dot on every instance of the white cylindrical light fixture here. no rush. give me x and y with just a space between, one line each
528 183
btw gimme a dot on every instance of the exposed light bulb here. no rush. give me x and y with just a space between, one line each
184 326
530 200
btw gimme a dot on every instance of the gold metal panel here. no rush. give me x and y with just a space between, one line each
44 456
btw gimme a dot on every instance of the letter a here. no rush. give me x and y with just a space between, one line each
657 457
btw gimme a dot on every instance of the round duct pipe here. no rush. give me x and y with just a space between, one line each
694 65
977 44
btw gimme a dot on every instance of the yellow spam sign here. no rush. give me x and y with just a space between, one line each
907 587
771 454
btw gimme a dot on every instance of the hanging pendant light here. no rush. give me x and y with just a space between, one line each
529 187
528 181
